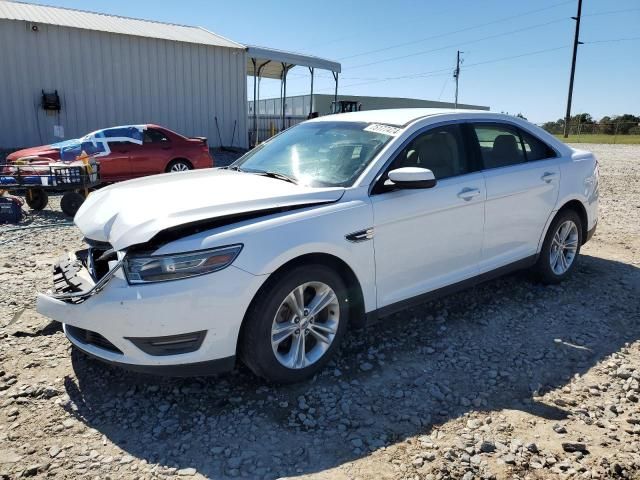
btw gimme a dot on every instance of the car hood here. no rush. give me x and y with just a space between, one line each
42 151
133 212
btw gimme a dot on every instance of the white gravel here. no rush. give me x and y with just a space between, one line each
509 380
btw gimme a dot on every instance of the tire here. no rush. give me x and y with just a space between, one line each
37 198
273 307
551 268
179 166
70 203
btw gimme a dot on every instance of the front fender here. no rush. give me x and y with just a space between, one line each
273 241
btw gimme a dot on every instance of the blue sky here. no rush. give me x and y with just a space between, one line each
377 42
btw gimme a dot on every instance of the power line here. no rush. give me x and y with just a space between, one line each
447 70
612 40
444 85
457 44
610 12
335 40
453 32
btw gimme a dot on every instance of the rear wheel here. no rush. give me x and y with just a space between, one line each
70 203
561 247
179 166
37 198
296 325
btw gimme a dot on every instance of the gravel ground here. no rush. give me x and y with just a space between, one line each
509 380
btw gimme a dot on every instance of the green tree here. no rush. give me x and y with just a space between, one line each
605 125
554 127
626 122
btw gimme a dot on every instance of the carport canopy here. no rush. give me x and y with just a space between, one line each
270 63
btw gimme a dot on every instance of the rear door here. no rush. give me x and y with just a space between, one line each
522 178
153 155
428 238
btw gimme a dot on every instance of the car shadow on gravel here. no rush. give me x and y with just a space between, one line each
494 347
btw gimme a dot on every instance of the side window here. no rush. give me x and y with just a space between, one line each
500 145
154 136
536 149
440 149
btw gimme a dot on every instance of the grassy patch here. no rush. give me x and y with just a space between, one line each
601 138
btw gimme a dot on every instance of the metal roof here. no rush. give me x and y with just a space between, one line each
66 17
404 116
276 59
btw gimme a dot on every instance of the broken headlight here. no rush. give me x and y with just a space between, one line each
161 268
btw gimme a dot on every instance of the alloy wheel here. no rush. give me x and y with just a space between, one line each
179 167
305 325
564 247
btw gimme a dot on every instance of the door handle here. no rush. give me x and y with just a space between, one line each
468 193
548 176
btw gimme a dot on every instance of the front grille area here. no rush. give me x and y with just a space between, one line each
98 256
91 338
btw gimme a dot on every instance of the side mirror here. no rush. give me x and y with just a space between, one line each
412 177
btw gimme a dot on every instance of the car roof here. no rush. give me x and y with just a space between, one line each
398 116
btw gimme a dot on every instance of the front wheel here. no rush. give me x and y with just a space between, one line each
561 247
295 326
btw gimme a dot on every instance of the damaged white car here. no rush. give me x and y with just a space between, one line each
330 225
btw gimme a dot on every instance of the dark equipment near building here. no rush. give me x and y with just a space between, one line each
344 106
10 210
51 101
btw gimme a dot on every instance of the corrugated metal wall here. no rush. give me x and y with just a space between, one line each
299 104
106 79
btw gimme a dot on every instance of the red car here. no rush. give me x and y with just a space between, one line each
155 150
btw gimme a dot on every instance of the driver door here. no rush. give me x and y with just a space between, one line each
429 238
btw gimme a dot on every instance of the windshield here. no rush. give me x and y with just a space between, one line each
319 154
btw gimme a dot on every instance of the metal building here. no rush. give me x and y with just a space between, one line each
270 117
65 73
302 105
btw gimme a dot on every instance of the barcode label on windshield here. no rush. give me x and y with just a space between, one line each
384 129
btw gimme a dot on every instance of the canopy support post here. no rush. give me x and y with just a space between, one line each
285 69
255 104
335 94
256 101
311 69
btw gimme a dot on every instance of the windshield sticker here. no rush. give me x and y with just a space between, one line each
384 129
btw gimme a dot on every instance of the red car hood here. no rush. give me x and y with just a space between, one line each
42 151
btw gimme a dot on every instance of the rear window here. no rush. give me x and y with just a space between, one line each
500 145
154 136
536 149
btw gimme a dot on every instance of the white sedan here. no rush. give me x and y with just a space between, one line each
330 225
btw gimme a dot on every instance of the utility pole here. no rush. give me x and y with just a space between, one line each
576 42
456 75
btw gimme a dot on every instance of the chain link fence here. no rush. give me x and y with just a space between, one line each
613 129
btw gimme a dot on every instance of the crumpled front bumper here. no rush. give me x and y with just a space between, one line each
118 312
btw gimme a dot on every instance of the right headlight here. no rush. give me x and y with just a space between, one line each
162 268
